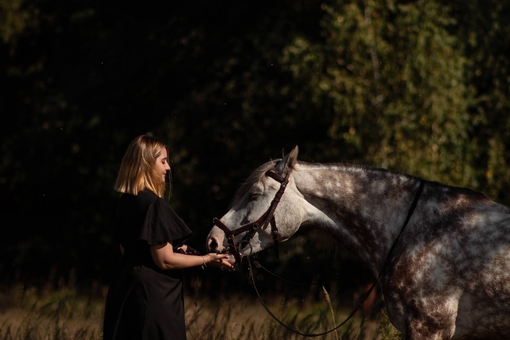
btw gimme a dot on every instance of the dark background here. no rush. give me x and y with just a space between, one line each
214 80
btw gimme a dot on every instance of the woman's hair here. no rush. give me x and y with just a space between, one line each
137 171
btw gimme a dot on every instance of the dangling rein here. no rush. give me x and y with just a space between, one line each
268 218
360 303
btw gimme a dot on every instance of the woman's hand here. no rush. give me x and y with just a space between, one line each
165 258
219 261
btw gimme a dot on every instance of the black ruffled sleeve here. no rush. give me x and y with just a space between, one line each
163 225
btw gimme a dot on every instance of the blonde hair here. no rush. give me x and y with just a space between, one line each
137 170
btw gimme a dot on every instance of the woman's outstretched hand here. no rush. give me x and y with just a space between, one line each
219 260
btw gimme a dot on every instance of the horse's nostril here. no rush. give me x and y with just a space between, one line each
212 245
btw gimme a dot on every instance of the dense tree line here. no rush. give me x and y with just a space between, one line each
415 86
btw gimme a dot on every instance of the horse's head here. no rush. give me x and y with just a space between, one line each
265 211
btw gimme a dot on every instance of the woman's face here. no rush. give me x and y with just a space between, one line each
162 165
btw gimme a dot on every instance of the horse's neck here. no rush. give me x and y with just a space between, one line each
363 209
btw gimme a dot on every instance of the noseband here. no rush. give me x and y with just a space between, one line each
263 221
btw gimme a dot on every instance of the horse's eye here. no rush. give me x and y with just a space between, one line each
254 196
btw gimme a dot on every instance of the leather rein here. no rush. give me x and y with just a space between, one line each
263 221
367 293
268 218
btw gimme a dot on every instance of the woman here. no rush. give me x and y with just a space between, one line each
145 298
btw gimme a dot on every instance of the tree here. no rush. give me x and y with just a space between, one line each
416 86
393 77
482 28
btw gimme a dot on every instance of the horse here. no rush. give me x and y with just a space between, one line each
441 253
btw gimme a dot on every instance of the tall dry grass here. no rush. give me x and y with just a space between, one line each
27 313
65 314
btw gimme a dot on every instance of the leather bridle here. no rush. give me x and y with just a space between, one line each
263 221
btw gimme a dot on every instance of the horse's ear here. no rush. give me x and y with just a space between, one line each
289 161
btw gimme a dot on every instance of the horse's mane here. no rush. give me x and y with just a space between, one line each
352 167
371 172
355 167
261 170
374 173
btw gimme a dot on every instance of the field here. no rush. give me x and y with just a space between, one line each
65 314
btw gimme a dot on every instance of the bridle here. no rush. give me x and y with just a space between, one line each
263 221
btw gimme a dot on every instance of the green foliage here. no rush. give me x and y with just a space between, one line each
385 330
392 105
12 19
421 87
485 36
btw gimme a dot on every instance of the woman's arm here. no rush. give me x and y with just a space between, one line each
165 258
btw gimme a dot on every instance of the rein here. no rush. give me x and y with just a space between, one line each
268 217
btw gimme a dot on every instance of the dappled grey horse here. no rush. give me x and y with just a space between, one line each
446 277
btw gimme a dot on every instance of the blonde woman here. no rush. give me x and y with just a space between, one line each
145 298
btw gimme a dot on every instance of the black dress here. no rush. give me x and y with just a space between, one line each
143 301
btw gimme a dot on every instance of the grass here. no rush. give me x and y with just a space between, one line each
65 314
29 314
